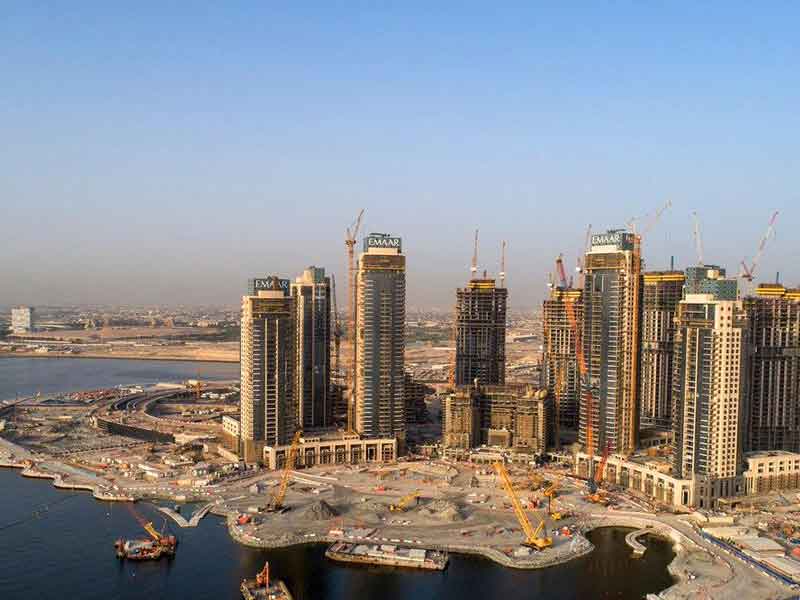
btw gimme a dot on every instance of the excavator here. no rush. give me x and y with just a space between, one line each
276 503
404 502
532 536
551 493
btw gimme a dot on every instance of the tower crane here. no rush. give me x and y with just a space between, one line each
351 233
582 255
532 539
588 399
337 327
276 504
749 272
473 270
503 264
562 273
698 239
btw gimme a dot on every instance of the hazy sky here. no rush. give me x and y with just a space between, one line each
156 153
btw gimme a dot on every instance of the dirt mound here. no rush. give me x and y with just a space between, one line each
319 511
443 510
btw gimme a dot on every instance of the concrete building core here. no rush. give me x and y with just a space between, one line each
774 378
312 297
268 410
611 343
380 338
560 358
480 322
661 293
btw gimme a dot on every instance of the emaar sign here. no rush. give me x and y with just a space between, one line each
613 238
382 241
271 283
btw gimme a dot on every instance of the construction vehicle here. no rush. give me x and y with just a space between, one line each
532 536
276 503
404 502
596 495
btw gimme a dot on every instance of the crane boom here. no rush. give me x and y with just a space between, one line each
280 494
503 264
532 538
350 242
474 265
749 272
698 239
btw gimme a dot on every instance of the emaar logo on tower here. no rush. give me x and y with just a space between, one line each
382 241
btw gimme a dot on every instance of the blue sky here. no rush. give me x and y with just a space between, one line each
158 153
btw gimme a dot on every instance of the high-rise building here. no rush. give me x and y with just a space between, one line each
609 418
560 372
709 389
480 323
661 292
312 298
268 413
22 320
380 338
774 378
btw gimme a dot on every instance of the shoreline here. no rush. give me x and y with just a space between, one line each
226 361
686 549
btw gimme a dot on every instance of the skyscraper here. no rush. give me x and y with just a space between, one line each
611 343
661 292
709 388
312 298
380 338
774 378
560 359
268 348
480 322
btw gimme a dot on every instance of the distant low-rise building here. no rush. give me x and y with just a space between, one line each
22 320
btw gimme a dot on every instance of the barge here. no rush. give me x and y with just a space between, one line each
388 555
261 588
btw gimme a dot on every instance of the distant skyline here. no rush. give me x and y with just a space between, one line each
157 155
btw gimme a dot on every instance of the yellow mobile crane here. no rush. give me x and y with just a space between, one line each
276 504
404 501
532 539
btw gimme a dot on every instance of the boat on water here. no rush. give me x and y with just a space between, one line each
261 588
146 549
159 545
388 555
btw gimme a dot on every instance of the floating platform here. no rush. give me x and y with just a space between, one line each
277 590
388 555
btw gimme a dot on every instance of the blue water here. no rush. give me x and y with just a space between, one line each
27 376
56 545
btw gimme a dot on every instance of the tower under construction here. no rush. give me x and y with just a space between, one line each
560 371
380 338
774 381
480 322
661 293
609 414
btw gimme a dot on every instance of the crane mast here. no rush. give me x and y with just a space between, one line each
277 499
350 242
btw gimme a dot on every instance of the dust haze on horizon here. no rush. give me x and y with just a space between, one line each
161 157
